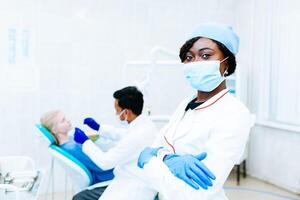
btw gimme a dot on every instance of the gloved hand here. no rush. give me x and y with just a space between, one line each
79 136
146 155
189 169
91 123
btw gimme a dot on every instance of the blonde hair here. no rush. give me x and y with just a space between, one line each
47 120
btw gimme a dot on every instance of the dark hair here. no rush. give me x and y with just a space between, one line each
130 98
230 60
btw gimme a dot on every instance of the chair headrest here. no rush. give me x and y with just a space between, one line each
46 134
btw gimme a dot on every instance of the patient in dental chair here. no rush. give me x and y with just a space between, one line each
60 127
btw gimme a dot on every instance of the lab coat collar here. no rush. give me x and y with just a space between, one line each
206 104
136 121
212 100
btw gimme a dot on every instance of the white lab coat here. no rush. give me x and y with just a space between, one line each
220 129
123 156
110 136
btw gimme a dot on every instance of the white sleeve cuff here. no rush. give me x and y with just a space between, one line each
162 153
87 145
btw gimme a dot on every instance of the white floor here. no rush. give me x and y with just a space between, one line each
249 189
254 189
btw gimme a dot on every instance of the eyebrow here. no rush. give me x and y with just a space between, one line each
202 49
205 48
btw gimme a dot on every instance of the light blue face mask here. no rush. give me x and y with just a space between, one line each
122 122
204 76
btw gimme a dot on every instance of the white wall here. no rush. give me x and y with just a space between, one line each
68 54
270 54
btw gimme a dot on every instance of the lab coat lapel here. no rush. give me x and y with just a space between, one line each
212 100
185 124
172 130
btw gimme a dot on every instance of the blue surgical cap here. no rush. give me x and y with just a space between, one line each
219 32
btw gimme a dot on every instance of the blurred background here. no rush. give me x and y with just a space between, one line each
73 54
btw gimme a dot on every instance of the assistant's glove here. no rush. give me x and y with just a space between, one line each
146 155
189 169
91 123
79 136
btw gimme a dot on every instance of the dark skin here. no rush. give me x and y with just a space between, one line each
126 115
205 49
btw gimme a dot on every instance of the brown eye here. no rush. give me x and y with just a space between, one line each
188 58
205 56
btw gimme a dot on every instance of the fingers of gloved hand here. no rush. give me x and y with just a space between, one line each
140 162
201 175
146 149
142 157
91 123
188 181
195 178
80 136
150 151
78 131
146 155
87 120
155 150
201 166
201 156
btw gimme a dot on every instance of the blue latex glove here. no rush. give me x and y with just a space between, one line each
189 169
91 123
79 136
146 155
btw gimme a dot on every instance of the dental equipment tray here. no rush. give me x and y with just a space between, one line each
22 180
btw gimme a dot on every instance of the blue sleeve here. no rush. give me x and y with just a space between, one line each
76 151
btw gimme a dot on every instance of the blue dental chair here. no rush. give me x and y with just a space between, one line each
80 175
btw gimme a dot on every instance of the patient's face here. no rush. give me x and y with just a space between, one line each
62 124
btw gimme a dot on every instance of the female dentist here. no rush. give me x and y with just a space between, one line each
212 121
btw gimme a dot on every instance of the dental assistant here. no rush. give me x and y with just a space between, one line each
212 121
